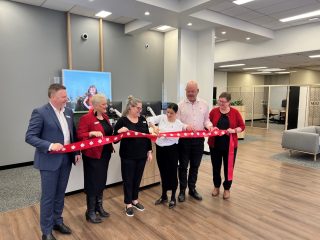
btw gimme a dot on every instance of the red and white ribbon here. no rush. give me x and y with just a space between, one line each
100 141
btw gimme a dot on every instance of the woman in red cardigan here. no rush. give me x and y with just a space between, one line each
227 118
95 160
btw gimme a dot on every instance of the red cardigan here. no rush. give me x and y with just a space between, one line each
235 120
88 123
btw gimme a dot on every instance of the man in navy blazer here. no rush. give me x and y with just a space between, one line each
51 126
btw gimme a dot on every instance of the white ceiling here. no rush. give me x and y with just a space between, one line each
258 20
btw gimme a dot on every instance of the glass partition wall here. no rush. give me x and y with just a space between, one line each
279 107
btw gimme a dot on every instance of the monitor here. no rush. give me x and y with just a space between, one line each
284 103
114 105
156 107
82 85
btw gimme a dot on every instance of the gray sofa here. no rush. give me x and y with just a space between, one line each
304 139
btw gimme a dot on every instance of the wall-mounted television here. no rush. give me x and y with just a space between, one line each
82 85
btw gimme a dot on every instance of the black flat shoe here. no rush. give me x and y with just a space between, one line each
193 193
48 237
172 204
62 228
160 201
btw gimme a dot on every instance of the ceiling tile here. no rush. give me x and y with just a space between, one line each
236 11
286 5
58 5
31 2
221 6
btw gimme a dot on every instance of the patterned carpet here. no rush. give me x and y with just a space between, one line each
19 187
298 158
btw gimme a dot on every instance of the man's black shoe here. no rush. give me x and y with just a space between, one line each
193 193
48 237
182 196
62 228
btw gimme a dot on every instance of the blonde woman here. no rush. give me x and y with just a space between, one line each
134 152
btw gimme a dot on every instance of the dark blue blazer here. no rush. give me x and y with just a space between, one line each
44 129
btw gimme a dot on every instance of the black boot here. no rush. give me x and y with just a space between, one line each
99 206
91 215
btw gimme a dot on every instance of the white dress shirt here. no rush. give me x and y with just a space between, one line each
166 126
63 123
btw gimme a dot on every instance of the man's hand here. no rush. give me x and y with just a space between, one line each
56 147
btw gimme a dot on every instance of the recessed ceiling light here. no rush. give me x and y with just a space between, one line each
223 33
260 72
215 37
301 16
314 19
232 65
163 28
248 38
147 13
253 68
283 72
239 2
189 24
103 14
314 56
272 69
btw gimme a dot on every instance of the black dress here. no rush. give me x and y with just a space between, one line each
95 170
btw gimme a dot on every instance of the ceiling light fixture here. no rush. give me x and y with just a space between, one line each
189 24
314 19
314 56
232 65
248 38
272 69
147 13
103 14
260 72
283 72
163 28
253 68
223 33
240 2
301 16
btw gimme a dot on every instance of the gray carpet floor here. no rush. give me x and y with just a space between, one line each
19 187
298 158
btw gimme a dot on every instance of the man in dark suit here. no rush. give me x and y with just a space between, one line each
51 126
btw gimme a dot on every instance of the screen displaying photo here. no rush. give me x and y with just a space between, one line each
82 85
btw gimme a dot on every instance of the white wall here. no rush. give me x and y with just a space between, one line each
291 40
220 81
171 66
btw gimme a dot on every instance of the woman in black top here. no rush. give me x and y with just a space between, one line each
95 160
133 153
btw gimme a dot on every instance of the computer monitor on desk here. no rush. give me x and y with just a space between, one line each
150 107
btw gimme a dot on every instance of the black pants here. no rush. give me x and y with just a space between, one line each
190 150
95 174
167 159
217 156
132 171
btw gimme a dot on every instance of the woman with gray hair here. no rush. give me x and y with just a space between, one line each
134 152
95 160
